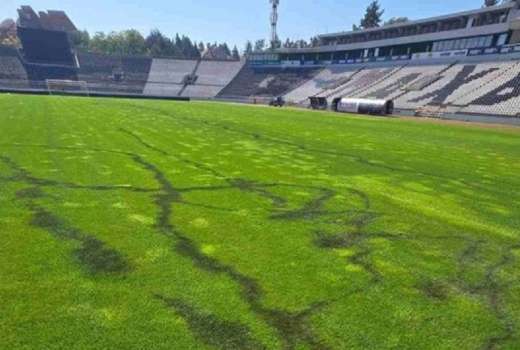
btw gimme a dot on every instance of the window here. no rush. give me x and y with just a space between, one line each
457 44
502 39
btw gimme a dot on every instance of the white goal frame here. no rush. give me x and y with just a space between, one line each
67 86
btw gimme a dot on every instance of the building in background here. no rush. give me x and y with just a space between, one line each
480 29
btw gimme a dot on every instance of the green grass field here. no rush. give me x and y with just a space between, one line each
161 225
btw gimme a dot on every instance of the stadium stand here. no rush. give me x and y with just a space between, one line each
487 85
505 103
136 68
217 73
403 81
57 21
458 85
47 52
266 81
201 91
45 37
12 71
211 78
39 73
50 20
329 78
105 73
167 77
45 46
360 81
499 95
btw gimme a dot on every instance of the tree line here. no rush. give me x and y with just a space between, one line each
132 43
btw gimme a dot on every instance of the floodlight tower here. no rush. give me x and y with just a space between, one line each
274 22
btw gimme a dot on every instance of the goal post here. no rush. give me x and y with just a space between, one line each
55 86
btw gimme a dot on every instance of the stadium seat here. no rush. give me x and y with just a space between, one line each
266 82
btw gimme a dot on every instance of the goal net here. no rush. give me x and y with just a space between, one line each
66 86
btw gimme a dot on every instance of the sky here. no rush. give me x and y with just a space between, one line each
232 21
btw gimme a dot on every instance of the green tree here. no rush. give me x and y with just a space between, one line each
248 49
132 43
158 45
395 20
235 54
315 41
373 16
276 44
99 43
226 49
301 44
80 39
186 47
260 45
489 3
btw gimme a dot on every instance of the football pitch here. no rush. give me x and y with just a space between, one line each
132 224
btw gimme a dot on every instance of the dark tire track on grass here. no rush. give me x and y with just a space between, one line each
151 147
292 327
494 292
92 254
25 176
489 288
309 210
276 318
357 238
248 186
236 183
165 197
302 147
211 330
22 175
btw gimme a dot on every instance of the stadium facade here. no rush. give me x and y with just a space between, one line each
460 65
482 31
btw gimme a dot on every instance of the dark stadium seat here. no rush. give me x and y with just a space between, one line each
39 73
266 82
392 86
463 77
361 80
46 46
112 74
12 71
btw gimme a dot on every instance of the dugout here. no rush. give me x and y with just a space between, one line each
363 106
318 103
